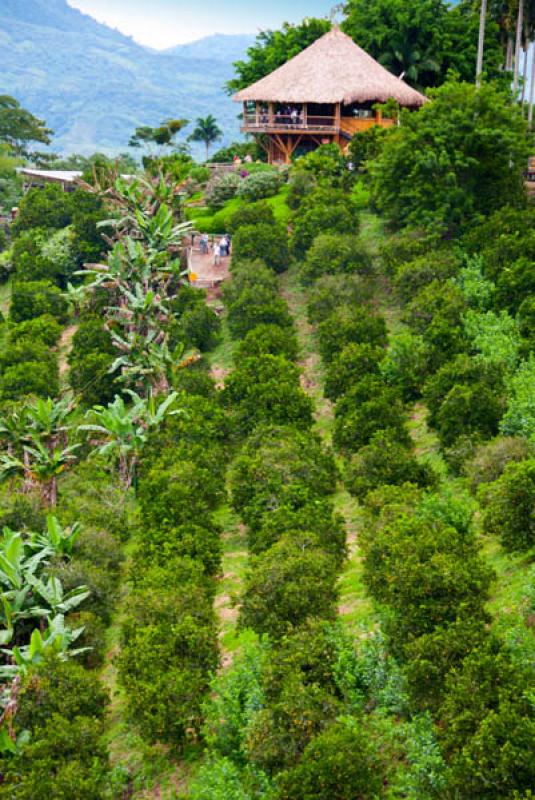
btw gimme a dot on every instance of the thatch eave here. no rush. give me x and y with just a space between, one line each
331 70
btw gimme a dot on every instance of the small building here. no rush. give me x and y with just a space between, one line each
324 94
67 179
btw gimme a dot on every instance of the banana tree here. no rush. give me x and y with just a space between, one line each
119 435
49 418
13 427
145 362
35 441
143 269
57 601
56 540
122 431
57 638
150 412
40 467
17 562
75 296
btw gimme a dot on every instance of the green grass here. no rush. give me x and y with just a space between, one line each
234 566
235 553
221 358
515 579
355 608
207 221
5 297
372 231
426 443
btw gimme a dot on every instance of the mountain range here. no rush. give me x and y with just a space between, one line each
93 85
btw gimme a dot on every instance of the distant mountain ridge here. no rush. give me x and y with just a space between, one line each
219 46
94 85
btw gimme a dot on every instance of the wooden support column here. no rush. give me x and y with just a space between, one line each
305 114
257 113
338 116
270 113
378 116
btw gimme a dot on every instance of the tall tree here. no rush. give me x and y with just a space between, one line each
161 137
423 40
207 131
462 155
19 128
518 43
532 86
481 41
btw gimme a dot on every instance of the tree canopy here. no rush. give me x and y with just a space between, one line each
19 128
460 157
423 40
206 131
162 135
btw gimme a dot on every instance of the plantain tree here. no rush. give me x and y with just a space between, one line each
34 442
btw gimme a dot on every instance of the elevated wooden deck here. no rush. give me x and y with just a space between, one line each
255 123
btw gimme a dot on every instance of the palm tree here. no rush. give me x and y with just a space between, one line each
207 131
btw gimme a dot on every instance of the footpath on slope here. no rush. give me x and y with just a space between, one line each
355 607
234 555
157 775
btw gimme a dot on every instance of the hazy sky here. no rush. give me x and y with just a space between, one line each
164 23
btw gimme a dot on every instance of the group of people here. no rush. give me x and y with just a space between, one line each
248 159
220 248
288 115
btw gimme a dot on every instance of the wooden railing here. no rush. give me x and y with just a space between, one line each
352 125
264 122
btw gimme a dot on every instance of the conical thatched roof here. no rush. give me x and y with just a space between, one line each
331 70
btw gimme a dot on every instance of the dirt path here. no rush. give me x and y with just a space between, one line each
64 347
310 362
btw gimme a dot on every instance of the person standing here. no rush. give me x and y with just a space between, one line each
217 254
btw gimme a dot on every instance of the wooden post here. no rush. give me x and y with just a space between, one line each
256 113
338 116
270 113
378 116
305 115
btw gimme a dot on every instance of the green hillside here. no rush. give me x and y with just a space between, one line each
94 85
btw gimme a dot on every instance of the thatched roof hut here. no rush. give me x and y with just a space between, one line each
331 70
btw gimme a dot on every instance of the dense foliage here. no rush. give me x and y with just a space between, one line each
461 156
293 535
